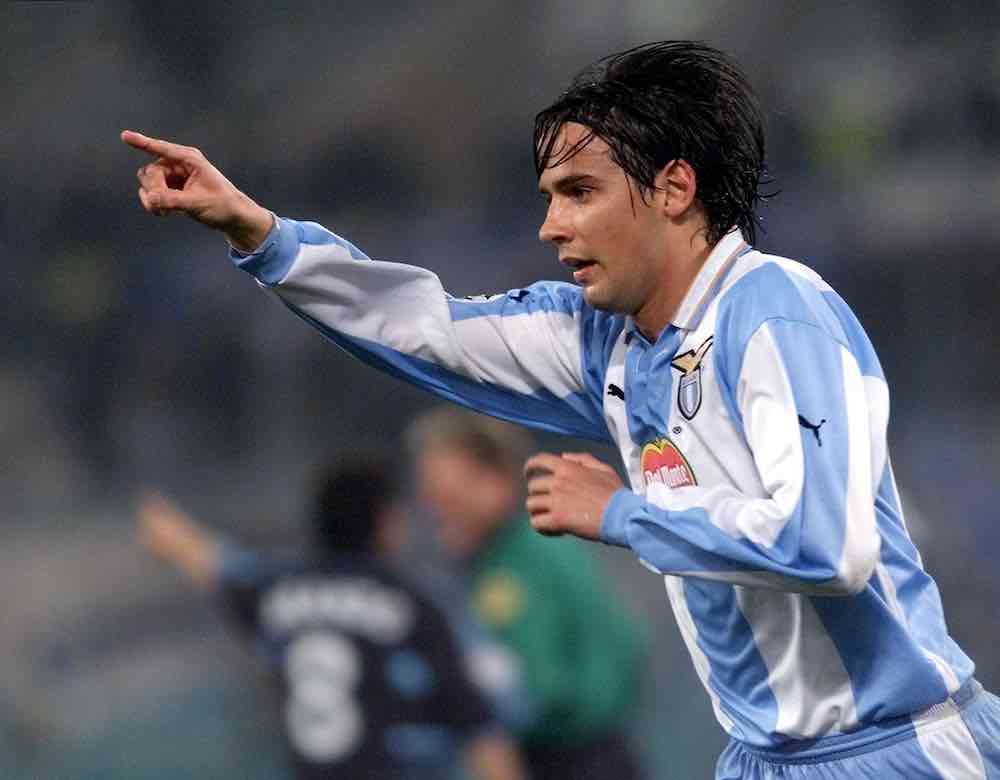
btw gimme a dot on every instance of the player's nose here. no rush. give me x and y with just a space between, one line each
554 228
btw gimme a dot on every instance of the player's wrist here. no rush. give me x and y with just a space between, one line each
249 227
618 511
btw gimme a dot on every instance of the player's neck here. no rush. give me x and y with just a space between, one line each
681 265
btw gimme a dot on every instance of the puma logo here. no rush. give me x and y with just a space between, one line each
616 392
814 428
519 296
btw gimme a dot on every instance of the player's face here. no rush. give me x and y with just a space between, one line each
606 232
467 499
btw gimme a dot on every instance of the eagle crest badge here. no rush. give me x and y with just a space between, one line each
689 387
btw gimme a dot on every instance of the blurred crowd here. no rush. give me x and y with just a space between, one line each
136 356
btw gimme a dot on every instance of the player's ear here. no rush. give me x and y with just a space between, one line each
679 184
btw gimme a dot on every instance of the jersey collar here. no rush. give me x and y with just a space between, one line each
706 284
704 287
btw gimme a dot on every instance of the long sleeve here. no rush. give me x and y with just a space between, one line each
801 400
517 355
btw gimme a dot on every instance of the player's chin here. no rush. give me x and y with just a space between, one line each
598 296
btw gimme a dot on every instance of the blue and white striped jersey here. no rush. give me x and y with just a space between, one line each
754 435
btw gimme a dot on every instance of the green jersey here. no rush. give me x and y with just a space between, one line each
549 602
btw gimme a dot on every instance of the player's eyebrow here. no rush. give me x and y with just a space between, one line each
567 183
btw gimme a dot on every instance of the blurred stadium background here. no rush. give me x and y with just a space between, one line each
134 355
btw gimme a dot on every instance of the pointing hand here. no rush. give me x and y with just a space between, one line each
179 180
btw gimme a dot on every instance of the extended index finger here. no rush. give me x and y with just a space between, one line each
154 146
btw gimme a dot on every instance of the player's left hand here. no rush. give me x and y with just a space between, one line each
568 493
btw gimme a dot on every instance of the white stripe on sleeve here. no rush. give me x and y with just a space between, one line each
861 538
505 350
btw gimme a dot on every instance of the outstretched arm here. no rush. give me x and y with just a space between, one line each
176 538
525 356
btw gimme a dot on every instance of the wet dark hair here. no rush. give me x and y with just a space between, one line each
665 101
350 494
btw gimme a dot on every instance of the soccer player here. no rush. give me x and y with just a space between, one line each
746 400
371 682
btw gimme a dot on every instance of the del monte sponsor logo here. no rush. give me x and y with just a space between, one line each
663 463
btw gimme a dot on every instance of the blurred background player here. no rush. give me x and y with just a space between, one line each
370 679
546 599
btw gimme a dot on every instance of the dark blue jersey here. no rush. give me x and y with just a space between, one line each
371 681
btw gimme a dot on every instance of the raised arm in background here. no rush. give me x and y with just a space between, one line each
176 538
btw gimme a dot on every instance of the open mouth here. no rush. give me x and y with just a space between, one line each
576 264
581 268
